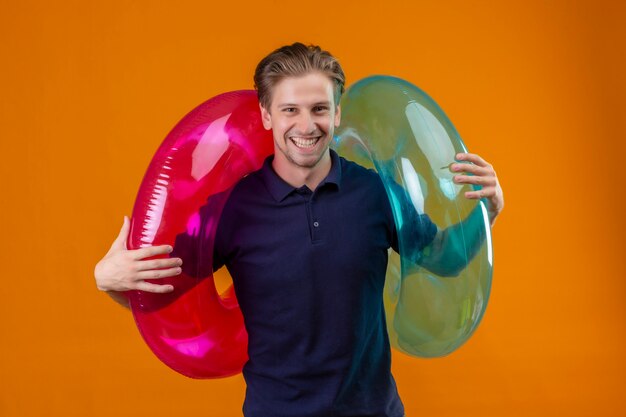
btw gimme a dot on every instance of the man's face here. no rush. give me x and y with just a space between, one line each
303 118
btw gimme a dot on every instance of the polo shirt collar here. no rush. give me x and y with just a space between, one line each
279 189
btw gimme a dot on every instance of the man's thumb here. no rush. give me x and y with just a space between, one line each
120 241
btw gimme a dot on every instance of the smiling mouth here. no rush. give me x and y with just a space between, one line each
305 143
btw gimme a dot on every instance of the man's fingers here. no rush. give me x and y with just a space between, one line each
158 264
483 193
150 251
476 180
472 157
159 273
156 288
473 195
471 168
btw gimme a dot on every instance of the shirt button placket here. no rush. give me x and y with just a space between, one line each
316 225
315 221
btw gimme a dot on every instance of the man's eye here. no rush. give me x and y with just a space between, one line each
320 108
289 109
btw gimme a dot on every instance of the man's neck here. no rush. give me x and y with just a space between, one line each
298 176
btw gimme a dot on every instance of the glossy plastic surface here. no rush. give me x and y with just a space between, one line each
195 330
435 298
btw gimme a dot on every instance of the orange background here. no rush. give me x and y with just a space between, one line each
537 88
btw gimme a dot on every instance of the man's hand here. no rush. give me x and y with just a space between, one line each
122 269
484 175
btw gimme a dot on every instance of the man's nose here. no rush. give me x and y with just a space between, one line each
306 123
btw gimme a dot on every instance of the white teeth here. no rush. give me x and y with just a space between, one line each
304 143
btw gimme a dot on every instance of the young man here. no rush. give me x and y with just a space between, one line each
305 239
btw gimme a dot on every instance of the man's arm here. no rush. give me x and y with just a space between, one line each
122 270
454 247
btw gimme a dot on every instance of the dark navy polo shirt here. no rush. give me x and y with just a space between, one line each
308 268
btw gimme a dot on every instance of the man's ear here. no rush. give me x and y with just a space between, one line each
266 118
337 115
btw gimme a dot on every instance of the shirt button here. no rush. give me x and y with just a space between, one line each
316 224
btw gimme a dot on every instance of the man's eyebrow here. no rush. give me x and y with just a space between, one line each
325 103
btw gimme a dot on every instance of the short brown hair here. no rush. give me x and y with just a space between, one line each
294 61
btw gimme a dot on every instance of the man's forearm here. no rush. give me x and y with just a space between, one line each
454 248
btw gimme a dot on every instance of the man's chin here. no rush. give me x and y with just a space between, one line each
307 161
304 162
